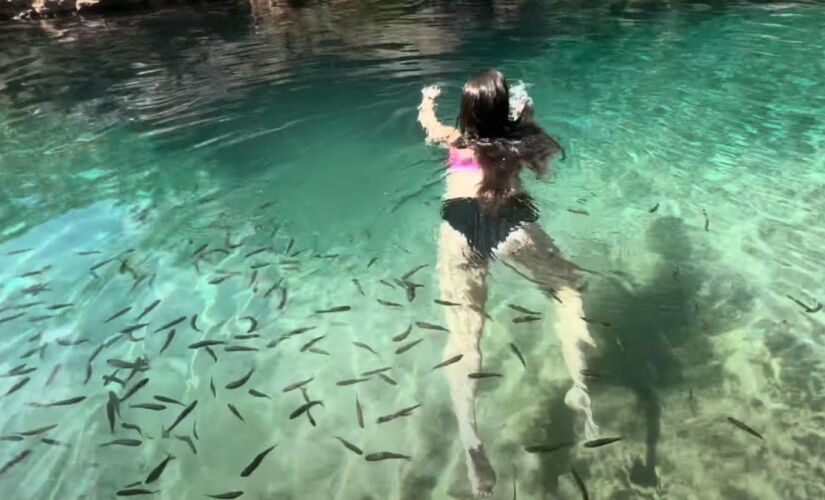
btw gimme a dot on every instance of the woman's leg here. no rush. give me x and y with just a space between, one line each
462 279
531 249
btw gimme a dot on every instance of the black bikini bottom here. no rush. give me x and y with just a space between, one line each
487 227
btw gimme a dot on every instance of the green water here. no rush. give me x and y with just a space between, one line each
145 136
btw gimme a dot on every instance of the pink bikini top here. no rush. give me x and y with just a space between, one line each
458 163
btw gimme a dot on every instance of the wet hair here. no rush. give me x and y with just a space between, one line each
502 145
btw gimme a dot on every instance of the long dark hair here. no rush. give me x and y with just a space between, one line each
503 146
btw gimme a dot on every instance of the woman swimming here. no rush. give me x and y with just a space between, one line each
487 215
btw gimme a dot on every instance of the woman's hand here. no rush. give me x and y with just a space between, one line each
431 92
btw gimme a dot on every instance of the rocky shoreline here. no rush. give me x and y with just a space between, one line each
34 9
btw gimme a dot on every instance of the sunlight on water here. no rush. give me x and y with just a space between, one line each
224 174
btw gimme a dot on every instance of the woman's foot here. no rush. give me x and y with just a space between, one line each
482 475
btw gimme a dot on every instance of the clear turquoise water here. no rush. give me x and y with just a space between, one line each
155 133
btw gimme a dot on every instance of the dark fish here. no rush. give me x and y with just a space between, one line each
307 400
218 281
88 373
68 342
138 386
256 252
194 323
371 262
414 270
522 309
805 307
148 309
53 374
359 412
373 372
247 337
29 353
158 470
578 211
303 408
289 246
164 399
118 314
241 381
12 317
259 265
385 455
297 385
744 427
358 285
526 319
282 303
410 292
388 303
169 337
206 343
301 330
239 348
112 410
211 353
446 303
130 492
56 307
254 278
404 412
595 443
186 411
132 427
430 326
707 221
249 469
195 429
591 374
387 379
38 319
518 354
39 430
406 347
253 323
12 438
229 495
317 350
64 402
272 289
448 362
123 442
14 461
654 208
172 323
594 322
258 394
352 381
365 346
235 411
96 352
387 283
580 484
53 442
133 328
149 406
403 335
17 386
17 370
350 446
20 251
311 343
478 375
334 310
188 440
200 249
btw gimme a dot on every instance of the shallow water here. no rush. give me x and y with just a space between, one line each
145 136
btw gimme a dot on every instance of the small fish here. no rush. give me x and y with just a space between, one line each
578 211
387 379
446 303
365 346
448 362
38 319
403 335
526 319
654 208
118 314
518 354
744 427
404 412
406 347
580 484
385 455
149 406
371 262
57 307
299 331
195 429
249 469
17 386
188 440
88 373
478 375
387 283
334 310
414 270
158 470
193 322
410 292
171 324
235 411
186 411
312 342
211 353
53 442
218 281
14 461
595 443
388 303
229 495
39 430
64 402
130 492
359 412
240 348
138 386
289 246
164 399
112 410
53 374
258 394
707 221
352 381
132 427
430 326
212 387
148 309
169 337
256 252
298 385
200 249
805 307
206 343
12 317
241 381
350 446
272 289
522 309
123 442
303 408
68 342
133 328
247 337
253 323
259 265
20 251
12 438
373 372
358 286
